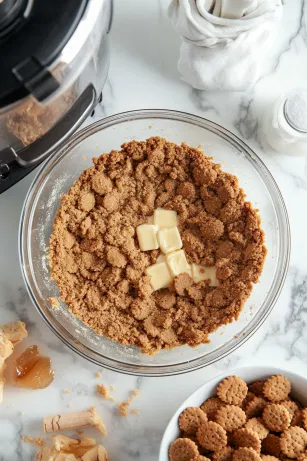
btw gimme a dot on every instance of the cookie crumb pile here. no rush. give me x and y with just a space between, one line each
255 422
106 279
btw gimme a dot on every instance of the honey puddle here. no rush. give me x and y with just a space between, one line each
32 370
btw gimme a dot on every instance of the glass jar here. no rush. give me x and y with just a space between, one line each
286 125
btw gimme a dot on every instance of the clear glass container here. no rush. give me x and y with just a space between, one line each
62 169
286 124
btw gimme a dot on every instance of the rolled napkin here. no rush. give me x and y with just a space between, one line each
224 42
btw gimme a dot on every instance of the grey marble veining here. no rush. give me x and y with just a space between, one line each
143 74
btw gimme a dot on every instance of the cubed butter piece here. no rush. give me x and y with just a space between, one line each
147 237
178 263
169 240
165 218
160 276
200 273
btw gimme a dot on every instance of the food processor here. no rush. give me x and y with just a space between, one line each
55 63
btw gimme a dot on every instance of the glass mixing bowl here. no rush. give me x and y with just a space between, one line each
63 168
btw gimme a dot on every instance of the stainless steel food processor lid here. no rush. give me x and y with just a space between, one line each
32 35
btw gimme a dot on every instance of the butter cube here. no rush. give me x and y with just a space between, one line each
160 276
169 239
165 218
178 263
200 273
147 237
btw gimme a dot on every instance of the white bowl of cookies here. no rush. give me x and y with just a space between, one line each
250 414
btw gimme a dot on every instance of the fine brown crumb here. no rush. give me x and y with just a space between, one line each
100 270
135 411
98 374
124 406
67 391
103 391
54 303
36 441
32 120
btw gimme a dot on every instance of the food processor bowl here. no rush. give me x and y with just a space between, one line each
59 173
52 80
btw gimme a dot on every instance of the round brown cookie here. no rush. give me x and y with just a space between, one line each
211 436
211 406
269 458
297 419
223 455
304 417
284 457
256 425
257 388
193 437
230 417
271 445
232 390
245 454
200 458
277 388
189 436
248 398
182 450
247 438
276 417
291 406
302 457
255 407
293 441
190 419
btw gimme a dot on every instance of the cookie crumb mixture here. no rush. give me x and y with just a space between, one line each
102 272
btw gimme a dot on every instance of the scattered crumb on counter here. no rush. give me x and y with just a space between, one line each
83 157
149 126
98 374
37 441
54 303
103 390
123 407
113 388
67 391
135 412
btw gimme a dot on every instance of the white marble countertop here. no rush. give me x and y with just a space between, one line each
143 74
